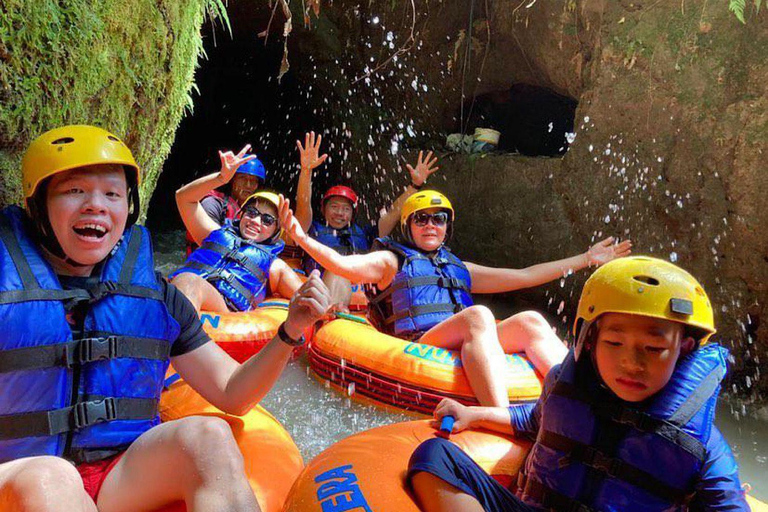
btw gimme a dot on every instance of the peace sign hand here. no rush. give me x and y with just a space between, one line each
424 168
230 162
310 150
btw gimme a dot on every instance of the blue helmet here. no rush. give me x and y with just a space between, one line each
254 168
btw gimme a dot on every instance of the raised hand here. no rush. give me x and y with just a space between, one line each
462 414
310 150
308 305
288 221
606 250
425 166
230 162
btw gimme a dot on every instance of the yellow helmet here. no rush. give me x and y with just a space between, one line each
270 197
69 147
641 285
423 200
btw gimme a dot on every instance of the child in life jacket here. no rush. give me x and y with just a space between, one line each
237 264
88 331
422 291
624 423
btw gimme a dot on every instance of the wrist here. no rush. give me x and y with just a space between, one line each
587 260
294 334
415 186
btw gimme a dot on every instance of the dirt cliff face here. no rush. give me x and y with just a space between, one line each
671 134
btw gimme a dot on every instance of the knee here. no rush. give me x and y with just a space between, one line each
45 482
185 280
479 317
429 452
532 321
209 443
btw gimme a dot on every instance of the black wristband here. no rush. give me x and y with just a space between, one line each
417 187
287 339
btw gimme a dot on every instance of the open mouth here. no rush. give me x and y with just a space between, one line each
91 231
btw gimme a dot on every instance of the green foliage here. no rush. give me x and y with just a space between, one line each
737 7
126 66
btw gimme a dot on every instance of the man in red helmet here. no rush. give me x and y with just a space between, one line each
338 229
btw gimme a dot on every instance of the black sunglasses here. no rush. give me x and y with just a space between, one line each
439 219
253 213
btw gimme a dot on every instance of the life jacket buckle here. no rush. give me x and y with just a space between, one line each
95 349
85 414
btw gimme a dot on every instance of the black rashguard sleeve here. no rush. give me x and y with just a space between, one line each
191 335
215 209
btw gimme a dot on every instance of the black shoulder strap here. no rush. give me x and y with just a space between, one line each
699 397
28 279
131 256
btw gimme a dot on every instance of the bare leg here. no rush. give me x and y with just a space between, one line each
42 484
201 293
436 495
193 459
473 331
530 332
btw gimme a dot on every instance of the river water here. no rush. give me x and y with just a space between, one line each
317 416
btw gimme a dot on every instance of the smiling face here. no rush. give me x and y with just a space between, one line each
254 220
636 355
88 210
338 212
430 236
243 186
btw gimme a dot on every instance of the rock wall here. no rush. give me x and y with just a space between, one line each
671 132
126 66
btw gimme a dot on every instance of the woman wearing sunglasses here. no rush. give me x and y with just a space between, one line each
421 291
237 264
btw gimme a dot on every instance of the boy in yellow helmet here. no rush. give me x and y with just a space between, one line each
625 423
88 331
423 292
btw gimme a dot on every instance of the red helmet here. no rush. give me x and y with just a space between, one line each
341 191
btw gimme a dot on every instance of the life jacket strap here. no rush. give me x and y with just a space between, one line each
82 351
76 417
610 466
549 498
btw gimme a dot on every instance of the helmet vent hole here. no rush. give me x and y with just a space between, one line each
63 140
652 281
113 138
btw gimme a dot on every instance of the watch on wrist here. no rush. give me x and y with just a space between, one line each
287 339
417 187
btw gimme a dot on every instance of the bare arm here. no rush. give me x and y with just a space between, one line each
188 197
236 388
496 280
424 168
491 418
377 267
308 154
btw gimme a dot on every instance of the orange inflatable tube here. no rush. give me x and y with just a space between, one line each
354 356
272 460
366 471
242 334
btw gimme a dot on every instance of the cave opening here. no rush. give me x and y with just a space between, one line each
532 120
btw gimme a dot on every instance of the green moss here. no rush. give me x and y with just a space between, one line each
126 66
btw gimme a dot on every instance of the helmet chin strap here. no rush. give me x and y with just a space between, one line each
46 237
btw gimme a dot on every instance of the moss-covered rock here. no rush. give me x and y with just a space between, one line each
125 66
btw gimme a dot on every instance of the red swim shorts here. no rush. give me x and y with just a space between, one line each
94 474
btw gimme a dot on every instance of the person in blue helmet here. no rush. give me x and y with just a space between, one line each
222 205
624 423
237 265
89 330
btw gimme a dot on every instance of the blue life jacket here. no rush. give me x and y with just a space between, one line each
427 289
597 452
237 267
350 240
86 398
